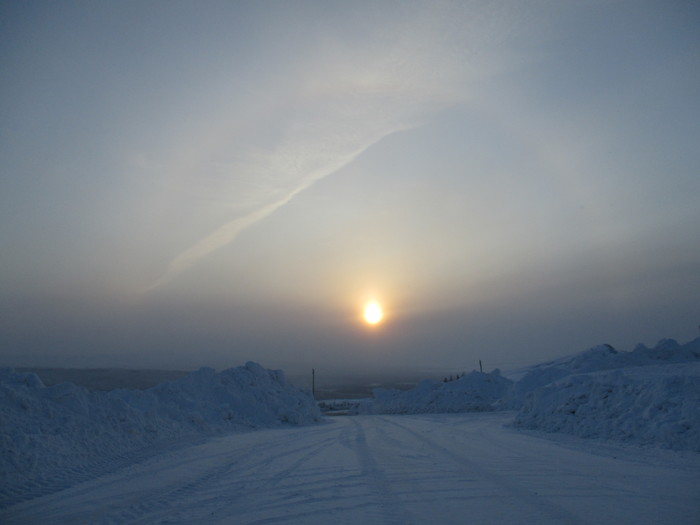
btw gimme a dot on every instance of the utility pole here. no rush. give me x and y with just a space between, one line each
313 383
480 367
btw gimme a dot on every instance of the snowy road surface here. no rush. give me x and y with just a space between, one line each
464 468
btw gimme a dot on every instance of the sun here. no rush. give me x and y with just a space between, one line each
373 313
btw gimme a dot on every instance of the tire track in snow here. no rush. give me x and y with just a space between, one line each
65 478
327 491
470 467
158 498
372 470
164 503
309 451
394 512
117 510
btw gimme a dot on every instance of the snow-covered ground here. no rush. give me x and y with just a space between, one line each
486 448
457 468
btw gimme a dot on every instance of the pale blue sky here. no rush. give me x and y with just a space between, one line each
202 183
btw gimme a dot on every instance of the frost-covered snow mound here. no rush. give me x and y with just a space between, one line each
649 405
475 392
602 357
249 396
47 431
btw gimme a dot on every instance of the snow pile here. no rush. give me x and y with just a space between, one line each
647 396
45 430
249 396
643 405
603 357
475 392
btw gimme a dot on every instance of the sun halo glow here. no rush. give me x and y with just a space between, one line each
373 313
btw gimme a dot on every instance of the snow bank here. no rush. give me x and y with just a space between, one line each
651 405
46 430
475 392
649 396
603 357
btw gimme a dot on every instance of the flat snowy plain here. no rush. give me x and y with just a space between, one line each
431 468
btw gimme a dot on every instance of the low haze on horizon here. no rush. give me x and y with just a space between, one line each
188 184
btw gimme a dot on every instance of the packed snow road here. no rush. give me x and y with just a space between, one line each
464 468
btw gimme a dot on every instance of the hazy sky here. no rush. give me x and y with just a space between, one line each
188 184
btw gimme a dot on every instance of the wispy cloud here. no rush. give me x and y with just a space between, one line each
228 232
346 96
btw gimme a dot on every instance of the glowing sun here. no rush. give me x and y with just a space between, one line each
373 313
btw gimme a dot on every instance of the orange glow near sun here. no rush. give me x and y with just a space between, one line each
373 313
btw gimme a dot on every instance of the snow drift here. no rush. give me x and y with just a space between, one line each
602 357
649 396
47 430
475 392
643 405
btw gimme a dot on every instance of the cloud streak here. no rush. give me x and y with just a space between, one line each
228 232
346 96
